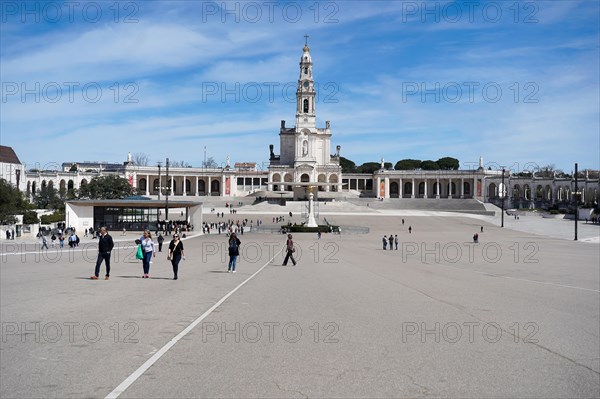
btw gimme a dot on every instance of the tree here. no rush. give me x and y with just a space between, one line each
30 217
140 159
47 198
347 165
448 163
13 202
210 163
180 164
592 174
547 171
369 167
73 168
107 187
53 218
408 164
429 165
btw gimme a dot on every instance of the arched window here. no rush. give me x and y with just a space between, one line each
333 179
492 190
142 185
407 189
33 188
201 186
188 186
70 185
305 178
306 71
394 190
305 105
467 188
215 187
155 185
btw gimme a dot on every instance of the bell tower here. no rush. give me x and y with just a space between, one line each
305 94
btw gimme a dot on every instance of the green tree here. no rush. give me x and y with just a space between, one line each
53 218
30 217
347 165
13 202
429 165
107 187
408 164
47 198
368 167
448 163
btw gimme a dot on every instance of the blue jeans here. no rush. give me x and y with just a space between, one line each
102 256
232 260
146 261
175 263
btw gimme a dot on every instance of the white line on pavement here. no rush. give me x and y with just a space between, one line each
523 279
142 369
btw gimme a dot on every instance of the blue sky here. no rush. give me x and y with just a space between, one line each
514 82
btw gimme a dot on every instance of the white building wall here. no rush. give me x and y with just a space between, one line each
80 217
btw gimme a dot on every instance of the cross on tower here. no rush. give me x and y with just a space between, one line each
306 40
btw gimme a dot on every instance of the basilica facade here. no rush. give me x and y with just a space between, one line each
305 157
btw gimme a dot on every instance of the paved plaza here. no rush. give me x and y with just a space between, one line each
516 315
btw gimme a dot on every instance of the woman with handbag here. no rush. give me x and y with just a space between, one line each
234 252
175 254
148 251
290 251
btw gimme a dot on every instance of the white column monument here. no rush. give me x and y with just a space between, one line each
310 221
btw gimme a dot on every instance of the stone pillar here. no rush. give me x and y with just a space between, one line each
437 188
208 185
377 186
196 191
462 187
387 186
172 180
474 188
184 192
450 187
147 184
222 186
425 189
412 193
400 188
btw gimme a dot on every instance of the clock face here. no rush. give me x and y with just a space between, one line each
306 84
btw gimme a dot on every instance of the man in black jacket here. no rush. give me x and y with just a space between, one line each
105 246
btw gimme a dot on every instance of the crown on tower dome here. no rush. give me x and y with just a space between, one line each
306 48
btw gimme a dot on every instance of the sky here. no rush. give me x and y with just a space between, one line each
516 83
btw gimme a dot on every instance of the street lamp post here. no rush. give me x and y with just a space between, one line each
159 181
503 194
167 193
576 200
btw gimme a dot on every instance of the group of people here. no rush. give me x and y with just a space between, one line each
10 234
105 246
175 254
238 226
73 240
392 239
173 227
